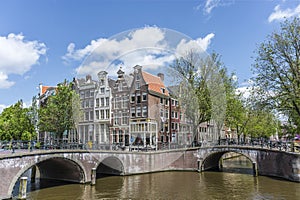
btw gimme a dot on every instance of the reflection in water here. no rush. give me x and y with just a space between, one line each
178 185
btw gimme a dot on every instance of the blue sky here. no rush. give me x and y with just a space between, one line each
47 41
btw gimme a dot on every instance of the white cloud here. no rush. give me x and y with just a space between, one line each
199 45
2 107
150 46
17 56
210 5
279 14
4 82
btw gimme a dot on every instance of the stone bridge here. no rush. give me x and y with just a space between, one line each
78 165
266 162
82 166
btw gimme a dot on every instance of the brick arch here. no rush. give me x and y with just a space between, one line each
113 162
76 163
211 160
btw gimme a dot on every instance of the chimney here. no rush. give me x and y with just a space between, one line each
161 76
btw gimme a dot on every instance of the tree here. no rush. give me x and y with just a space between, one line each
15 123
236 112
277 69
261 124
61 112
201 92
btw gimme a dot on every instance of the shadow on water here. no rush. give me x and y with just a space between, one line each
37 183
235 163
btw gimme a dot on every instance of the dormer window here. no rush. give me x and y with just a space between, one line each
138 77
163 90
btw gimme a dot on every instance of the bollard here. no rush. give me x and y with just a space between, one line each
254 166
93 176
22 188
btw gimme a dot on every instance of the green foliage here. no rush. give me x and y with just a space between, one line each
261 123
277 70
202 93
61 111
15 123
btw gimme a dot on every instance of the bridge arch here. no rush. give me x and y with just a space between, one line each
212 160
110 165
65 169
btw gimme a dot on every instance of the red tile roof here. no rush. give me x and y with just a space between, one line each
154 83
45 88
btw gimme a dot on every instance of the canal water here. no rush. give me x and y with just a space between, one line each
235 182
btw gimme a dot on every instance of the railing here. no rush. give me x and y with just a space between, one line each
18 145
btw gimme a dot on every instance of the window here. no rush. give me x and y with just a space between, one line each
124 118
97 114
87 93
102 90
161 112
107 114
138 112
86 103
144 111
97 102
138 98
102 102
173 102
138 77
92 103
125 102
176 115
173 114
167 113
137 86
163 90
82 104
92 93
101 114
120 136
167 102
81 94
102 82
172 126
107 101
144 96
161 100
86 116
132 98
132 111
91 115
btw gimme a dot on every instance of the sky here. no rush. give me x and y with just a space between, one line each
52 40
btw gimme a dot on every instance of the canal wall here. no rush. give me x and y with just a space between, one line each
279 164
